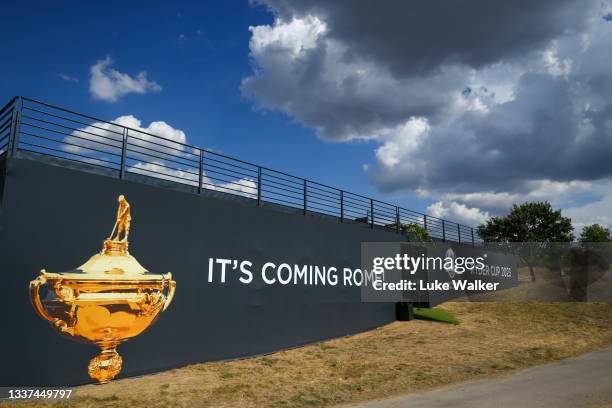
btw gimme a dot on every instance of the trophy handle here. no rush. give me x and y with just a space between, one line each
171 289
38 306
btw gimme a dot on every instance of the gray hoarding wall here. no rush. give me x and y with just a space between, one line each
56 218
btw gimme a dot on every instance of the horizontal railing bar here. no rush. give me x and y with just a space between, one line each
8 126
208 158
356 203
350 200
319 209
131 136
67 143
320 193
267 194
230 179
67 127
161 165
411 221
7 115
313 197
67 158
379 212
66 152
206 172
298 181
8 104
69 135
356 208
129 148
298 189
276 193
137 170
59 108
278 200
348 194
227 182
411 215
238 192
282 173
322 197
382 204
274 186
327 189
356 213
205 165
76 121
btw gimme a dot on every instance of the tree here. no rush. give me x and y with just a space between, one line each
595 233
526 225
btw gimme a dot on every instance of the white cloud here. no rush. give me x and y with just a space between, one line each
295 36
69 78
159 169
401 141
458 212
109 85
554 65
99 135
100 143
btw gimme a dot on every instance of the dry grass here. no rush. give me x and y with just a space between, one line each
402 357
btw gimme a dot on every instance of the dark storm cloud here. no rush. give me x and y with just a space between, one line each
489 101
417 37
537 135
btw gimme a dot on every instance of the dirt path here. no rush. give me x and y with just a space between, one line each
584 381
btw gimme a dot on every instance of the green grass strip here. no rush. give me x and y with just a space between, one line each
435 314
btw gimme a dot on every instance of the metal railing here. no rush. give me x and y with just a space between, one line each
29 125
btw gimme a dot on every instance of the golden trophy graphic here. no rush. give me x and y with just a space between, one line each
107 300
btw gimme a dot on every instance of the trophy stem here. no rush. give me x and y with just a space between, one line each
106 365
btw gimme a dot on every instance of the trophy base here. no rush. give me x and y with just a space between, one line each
105 366
113 247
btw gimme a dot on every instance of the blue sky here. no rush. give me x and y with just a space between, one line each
368 96
197 52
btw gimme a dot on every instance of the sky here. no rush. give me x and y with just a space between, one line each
457 109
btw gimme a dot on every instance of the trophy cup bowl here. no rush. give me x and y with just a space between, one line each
108 300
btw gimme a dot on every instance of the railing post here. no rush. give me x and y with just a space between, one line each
472 229
459 233
372 213
341 206
123 153
201 173
305 198
258 185
443 232
14 135
397 220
